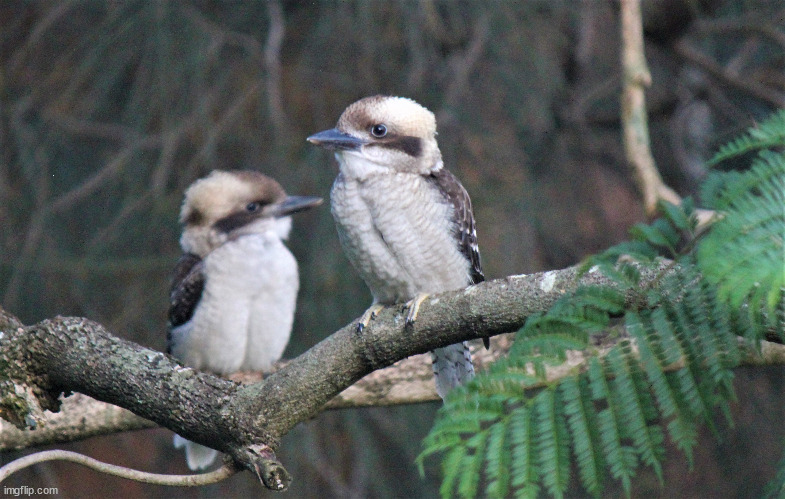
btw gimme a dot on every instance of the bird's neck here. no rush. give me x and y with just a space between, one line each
358 167
202 241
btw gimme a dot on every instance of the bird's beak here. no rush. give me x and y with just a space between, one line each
294 204
336 140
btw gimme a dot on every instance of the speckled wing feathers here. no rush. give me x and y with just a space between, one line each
466 233
187 286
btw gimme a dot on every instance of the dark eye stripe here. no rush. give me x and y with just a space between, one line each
404 143
236 220
195 217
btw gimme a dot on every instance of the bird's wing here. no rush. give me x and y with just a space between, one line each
186 291
465 231
463 216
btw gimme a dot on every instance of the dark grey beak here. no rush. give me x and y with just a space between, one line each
336 140
294 204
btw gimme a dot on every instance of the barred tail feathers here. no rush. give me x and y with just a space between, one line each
197 456
452 366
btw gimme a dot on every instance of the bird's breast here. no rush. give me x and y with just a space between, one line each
244 318
398 232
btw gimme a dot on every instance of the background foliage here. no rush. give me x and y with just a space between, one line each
108 110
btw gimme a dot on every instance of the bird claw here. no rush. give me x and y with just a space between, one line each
414 307
368 316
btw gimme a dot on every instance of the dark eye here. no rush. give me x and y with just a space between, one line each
379 130
253 206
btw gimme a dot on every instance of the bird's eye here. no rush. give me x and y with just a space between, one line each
379 130
253 206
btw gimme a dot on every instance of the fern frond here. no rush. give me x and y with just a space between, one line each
623 273
498 457
553 450
582 419
525 473
660 234
634 405
451 470
680 216
767 135
612 417
469 478
744 253
652 349
621 457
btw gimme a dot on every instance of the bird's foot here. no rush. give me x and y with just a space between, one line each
368 316
414 307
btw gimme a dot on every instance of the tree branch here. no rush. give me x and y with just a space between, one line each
248 421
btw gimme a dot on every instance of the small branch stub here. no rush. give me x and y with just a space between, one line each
268 469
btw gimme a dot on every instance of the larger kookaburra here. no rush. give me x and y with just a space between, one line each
404 221
234 289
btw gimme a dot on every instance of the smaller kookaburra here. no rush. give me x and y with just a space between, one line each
404 221
234 289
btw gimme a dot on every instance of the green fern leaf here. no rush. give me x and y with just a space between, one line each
553 451
767 135
621 457
469 478
658 234
582 419
649 337
525 474
633 404
451 470
498 458
744 253
680 216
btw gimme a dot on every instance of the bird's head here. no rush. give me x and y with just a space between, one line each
381 133
226 205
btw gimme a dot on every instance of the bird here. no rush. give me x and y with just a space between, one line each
234 289
404 221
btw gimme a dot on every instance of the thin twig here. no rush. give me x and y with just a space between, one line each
196 480
272 66
636 77
705 63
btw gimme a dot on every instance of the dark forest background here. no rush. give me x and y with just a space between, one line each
108 110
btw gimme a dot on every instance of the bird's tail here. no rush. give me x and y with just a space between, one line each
452 366
197 456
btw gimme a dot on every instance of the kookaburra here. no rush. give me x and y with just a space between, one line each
404 221
234 289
